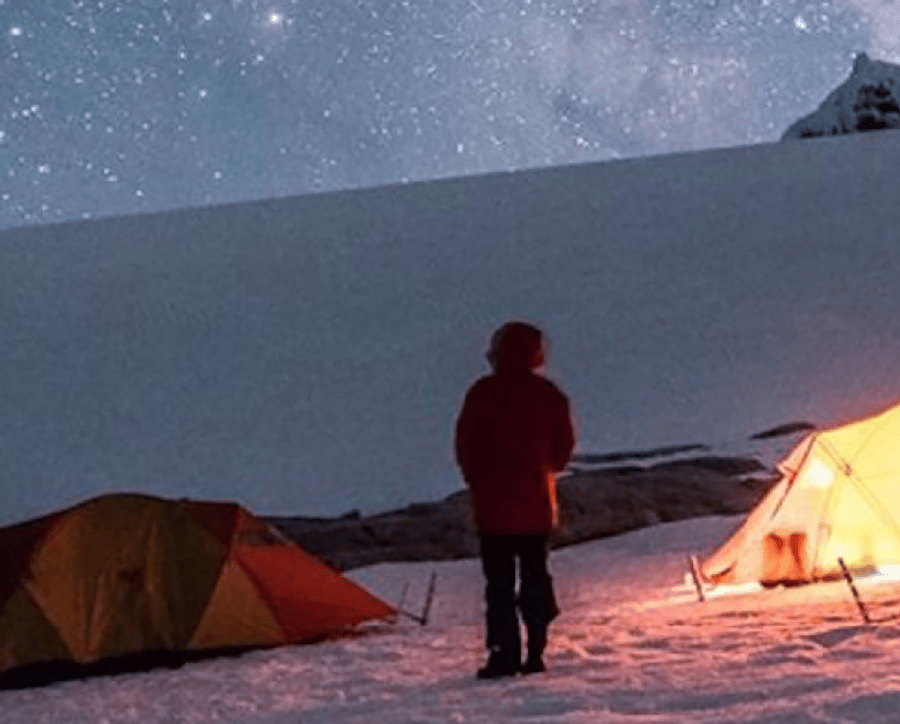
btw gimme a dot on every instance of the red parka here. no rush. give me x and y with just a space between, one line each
513 435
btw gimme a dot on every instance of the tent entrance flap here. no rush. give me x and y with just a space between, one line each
785 558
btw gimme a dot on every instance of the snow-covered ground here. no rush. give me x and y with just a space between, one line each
632 645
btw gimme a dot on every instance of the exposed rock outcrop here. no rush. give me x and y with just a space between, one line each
869 100
593 504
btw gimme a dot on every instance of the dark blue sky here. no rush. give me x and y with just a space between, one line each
113 107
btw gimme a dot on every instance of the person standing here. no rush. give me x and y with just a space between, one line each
513 435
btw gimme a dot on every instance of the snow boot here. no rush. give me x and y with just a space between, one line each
533 665
499 664
537 642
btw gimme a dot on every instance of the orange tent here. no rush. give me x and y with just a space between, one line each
124 574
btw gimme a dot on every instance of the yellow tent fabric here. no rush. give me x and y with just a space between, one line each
838 497
126 573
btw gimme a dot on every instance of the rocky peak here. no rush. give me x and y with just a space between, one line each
869 100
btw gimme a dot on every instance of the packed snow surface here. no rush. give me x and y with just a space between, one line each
633 645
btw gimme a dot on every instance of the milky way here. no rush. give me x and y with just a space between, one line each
121 106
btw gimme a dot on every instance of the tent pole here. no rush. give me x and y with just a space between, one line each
695 574
856 598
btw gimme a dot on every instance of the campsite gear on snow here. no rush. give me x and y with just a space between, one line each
513 435
697 576
127 574
421 619
853 592
838 499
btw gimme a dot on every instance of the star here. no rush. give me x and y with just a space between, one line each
132 95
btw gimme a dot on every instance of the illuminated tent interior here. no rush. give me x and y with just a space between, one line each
838 498
130 575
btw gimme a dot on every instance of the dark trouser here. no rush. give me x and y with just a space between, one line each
536 600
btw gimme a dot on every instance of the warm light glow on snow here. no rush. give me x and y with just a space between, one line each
784 654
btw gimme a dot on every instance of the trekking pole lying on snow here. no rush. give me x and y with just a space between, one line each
426 609
856 598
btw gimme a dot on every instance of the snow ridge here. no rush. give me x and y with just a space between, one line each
869 100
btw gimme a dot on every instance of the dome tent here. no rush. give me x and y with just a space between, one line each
838 499
130 577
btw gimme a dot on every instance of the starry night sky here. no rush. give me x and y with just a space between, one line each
115 107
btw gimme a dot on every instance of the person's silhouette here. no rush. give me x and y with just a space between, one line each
513 435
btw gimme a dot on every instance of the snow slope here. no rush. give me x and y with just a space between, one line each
632 645
307 356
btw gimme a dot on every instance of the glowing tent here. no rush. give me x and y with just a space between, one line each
838 498
127 574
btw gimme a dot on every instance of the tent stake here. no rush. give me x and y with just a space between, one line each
429 597
856 598
695 574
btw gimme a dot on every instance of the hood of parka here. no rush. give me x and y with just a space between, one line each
517 347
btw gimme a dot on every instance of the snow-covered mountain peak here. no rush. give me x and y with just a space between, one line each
869 100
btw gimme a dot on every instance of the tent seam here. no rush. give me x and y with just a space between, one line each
877 506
